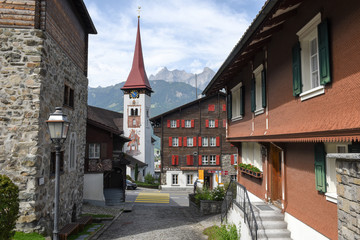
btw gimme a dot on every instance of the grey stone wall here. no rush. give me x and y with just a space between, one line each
226 166
33 70
348 191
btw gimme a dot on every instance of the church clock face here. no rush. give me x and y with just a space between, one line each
134 94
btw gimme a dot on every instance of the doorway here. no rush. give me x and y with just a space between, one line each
208 181
275 176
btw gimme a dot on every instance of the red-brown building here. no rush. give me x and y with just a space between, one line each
293 83
193 144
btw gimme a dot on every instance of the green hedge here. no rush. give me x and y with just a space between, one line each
147 185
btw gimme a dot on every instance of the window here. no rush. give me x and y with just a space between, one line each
173 123
190 142
212 141
72 154
258 91
175 179
233 178
94 150
187 123
175 141
211 123
251 154
212 159
205 141
68 96
190 178
205 160
233 159
311 63
237 103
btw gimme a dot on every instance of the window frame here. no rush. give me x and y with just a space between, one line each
175 142
190 141
173 124
306 34
203 141
192 179
211 123
212 142
187 123
236 102
176 179
204 160
93 155
69 96
212 160
259 109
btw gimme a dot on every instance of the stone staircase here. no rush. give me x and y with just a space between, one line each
271 224
113 196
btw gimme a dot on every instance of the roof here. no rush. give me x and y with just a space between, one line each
134 161
137 78
186 105
85 16
268 21
106 119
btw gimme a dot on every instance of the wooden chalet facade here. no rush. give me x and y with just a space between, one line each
292 83
193 144
105 162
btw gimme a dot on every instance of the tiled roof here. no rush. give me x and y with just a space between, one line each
110 120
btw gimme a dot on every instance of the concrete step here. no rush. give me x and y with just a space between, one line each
269 216
273 233
272 225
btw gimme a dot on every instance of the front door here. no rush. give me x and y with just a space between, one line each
275 176
208 180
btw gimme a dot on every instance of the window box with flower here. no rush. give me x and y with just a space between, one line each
250 170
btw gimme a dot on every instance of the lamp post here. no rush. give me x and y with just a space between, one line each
58 125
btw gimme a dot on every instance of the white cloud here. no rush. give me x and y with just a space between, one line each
179 34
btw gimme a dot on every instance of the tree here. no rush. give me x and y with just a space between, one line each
9 207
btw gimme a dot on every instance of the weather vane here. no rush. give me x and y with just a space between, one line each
139 10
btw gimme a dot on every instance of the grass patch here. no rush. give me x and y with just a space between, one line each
97 215
86 231
28 236
225 232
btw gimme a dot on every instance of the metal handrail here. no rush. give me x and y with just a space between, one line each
238 195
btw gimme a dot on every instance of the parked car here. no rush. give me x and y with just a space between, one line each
130 185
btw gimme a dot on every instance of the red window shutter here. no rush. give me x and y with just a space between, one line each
185 141
211 107
168 123
191 160
200 163
180 141
216 123
224 107
178 123
192 123
217 141
170 141
187 159
194 141
207 123
200 142
182 123
232 159
177 159
224 122
217 159
173 160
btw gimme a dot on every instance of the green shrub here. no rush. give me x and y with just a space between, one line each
218 194
149 178
9 207
28 236
225 232
147 185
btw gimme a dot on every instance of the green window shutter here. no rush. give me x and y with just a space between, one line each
242 100
324 53
253 97
229 109
320 170
263 87
296 67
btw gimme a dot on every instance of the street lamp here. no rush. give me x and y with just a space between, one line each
58 125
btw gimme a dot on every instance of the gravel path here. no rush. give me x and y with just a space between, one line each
159 222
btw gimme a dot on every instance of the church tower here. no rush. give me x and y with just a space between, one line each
137 103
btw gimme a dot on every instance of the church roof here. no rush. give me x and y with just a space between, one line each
137 78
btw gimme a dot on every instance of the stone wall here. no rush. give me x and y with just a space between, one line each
226 166
33 71
348 190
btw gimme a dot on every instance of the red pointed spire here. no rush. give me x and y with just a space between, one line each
137 77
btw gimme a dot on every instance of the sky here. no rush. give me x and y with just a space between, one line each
178 34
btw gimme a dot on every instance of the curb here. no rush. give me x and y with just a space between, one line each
105 227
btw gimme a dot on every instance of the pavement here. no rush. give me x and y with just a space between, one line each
152 214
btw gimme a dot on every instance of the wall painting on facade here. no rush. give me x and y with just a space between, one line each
133 145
